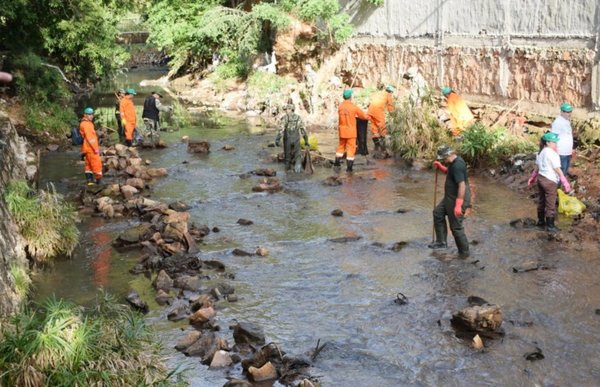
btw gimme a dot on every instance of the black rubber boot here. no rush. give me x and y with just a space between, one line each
541 223
437 245
336 163
99 181
550 226
349 164
89 177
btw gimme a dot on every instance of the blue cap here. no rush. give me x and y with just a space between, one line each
88 110
347 93
446 90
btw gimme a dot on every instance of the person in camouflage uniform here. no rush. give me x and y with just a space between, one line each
291 129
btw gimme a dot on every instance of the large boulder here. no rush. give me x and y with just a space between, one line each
188 340
136 234
266 372
479 318
163 282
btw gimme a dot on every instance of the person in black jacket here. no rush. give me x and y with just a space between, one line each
151 116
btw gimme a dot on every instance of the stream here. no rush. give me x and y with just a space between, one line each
310 288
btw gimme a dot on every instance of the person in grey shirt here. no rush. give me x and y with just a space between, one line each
151 116
562 126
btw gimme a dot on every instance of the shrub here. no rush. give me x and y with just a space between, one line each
45 220
478 143
61 344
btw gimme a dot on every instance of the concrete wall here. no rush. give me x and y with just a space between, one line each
12 247
546 51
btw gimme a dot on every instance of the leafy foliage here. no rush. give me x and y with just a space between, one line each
60 344
46 221
21 279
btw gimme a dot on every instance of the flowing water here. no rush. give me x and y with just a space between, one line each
310 288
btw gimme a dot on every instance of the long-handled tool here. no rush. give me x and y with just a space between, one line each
434 203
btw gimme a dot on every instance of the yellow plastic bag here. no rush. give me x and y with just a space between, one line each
312 141
569 205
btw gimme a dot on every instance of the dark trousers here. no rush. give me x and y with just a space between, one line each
565 162
446 209
548 195
291 152
120 129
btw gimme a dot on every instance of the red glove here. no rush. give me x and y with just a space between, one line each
458 208
439 166
565 184
532 178
97 152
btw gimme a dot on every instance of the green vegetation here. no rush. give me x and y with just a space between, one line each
21 280
46 221
60 344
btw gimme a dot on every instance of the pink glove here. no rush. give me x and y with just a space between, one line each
458 208
532 178
97 152
565 184
439 166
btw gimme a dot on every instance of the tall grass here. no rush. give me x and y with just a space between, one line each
45 220
60 344
21 280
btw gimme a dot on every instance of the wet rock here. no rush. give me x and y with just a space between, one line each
163 298
261 252
214 265
202 315
597 311
188 340
477 343
241 253
244 222
221 359
199 231
163 281
474 300
216 229
135 234
534 355
131 171
399 246
187 282
264 172
231 298
173 248
156 172
135 162
206 347
135 183
134 299
161 144
128 191
238 383
225 289
332 181
248 333
179 312
345 239
228 147
484 318
52 147
270 184
202 301
266 372
337 212
523 223
121 150
179 206
198 146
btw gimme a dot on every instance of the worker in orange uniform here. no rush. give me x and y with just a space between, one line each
128 116
460 114
348 113
380 102
90 147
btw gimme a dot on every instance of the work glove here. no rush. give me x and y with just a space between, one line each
532 178
97 152
458 208
440 166
565 184
306 144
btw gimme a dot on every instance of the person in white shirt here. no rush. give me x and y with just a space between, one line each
562 127
548 175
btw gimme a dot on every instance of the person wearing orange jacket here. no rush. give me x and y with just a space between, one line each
90 147
460 114
128 116
348 112
380 102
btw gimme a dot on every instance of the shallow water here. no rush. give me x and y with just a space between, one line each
309 288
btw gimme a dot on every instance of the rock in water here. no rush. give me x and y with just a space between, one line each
266 372
337 212
248 333
198 146
188 340
264 172
244 222
133 298
221 359
332 181
484 318
163 281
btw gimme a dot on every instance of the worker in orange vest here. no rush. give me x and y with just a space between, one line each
128 116
460 114
90 147
348 112
380 102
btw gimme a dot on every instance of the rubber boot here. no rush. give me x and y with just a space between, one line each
541 223
336 163
437 245
376 144
99 181
89 177
550 226
349 164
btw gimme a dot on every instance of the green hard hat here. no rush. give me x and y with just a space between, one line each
446 90
566 107
390 89
130 91
550 137
347 93
88 110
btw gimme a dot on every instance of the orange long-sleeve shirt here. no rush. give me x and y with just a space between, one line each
380 102
460 114
90 138
128 116
348 112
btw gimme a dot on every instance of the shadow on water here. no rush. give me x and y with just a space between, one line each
309 288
